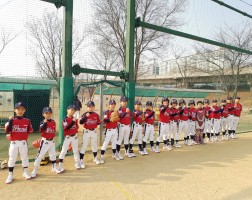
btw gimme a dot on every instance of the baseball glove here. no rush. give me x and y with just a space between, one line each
36 143
114 117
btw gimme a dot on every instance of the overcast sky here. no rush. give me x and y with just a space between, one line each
202 18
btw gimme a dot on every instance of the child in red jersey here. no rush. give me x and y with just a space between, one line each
149 119
124 128
174 122
224 115
137 128
200 115
70 125
192 122
215 115
208 122
47 144
18 129
237 114
111 132
230 118
90 121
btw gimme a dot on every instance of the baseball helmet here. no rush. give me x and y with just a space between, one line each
20 104
174 101
199 102
215 101
223 101
123 98
148 103
90 103
182 101
165 99
47 110
191 102
71 107
206 101
137 102
112 102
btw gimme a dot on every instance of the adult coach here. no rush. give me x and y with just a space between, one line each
78 106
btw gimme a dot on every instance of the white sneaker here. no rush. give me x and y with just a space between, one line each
194 142
9 178
56 170
157 149
141 153
185 142
169 148
132 154
153 149
128 154
234 136
34 172
189 143
102 160
115 156
26 174
60 168
77 165
165 146
96 161
82 164
145 152
219 139
119 156
177 145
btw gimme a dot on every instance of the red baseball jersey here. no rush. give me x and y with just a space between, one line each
109 124
192 114
237 109
224 112
230 108
174 114
184 113
216 112
70 127
164 114
138 116
207 112
18 128
91 121
124 116
48 129
149 116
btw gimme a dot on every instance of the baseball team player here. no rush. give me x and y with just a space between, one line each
192 122
137 129
18 128
124 128
183 121
200 122
111 132
230 118
215 115
90 121
164 125
237 114
174 120
208 122
149 119
70 125
224 115
47 144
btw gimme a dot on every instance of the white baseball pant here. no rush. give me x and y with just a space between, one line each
45 146
137 132
230 122
148 132
73 140
174 130
124 133
183 127
89 135
21 147
208 126
191 128
110 135
236 121
163 131
224 125
216 126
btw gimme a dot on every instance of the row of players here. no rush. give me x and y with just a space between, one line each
172 122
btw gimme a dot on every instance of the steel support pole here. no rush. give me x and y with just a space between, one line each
101 112
130 39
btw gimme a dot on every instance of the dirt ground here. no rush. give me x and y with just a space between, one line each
212 171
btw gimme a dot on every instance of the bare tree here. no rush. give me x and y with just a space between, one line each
110 26
46 44
5 38
228 64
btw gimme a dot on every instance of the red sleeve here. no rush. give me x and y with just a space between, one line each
98 120
30 130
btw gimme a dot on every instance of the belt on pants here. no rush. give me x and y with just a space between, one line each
72 135
164 123
110 129
122 125
91 129
173 121
48 139
137 123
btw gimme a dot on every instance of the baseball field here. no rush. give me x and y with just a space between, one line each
211 171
